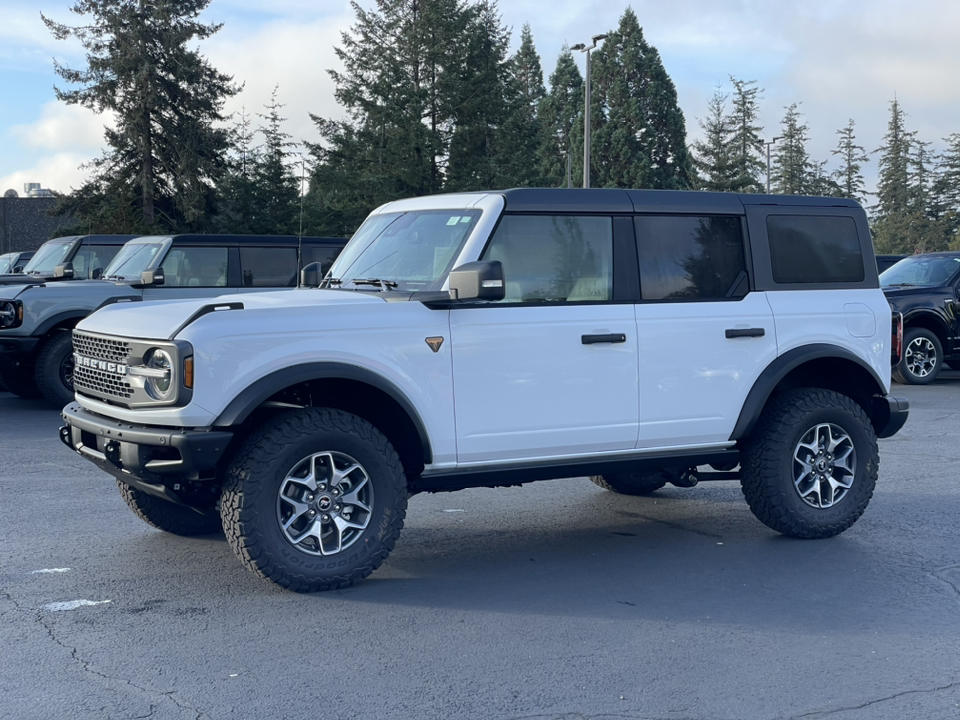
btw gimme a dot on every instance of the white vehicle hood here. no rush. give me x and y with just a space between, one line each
163 319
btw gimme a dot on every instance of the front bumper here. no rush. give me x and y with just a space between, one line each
22 345
889 415
153 459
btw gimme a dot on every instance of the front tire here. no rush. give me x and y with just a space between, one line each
53 371
314 500
810 466
922 358
630 483
167 516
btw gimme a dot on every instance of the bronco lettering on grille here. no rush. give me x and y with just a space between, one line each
103 365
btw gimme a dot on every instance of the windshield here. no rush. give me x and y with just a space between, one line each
921 270
6 262
48 257
412 249
131 261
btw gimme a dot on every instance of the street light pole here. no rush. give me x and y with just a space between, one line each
768 160
586 107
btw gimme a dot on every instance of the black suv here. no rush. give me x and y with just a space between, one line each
925 289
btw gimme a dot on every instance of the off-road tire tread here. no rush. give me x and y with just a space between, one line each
265 446
167 516
762 455
48 378
630 483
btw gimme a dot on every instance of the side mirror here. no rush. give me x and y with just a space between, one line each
477 281
63 271
17 269
152 277
96 274
311 275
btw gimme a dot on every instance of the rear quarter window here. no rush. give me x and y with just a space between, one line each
814 249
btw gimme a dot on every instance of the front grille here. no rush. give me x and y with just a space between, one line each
101 348
94 382
91 381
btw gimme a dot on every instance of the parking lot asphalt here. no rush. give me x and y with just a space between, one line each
553 600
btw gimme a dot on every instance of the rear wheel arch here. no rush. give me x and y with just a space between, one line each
819 366
932 322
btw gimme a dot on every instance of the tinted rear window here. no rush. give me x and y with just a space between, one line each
811 249
686 257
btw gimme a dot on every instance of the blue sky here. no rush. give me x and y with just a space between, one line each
840 59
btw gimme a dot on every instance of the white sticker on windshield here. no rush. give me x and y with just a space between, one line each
454 220
465 219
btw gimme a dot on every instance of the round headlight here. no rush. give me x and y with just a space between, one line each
159 388
8 314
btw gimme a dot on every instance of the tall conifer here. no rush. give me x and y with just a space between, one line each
852 156
168 146
639 137
792 168
713 155
747 146
558 117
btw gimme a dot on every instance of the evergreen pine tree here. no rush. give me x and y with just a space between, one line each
404 62
638 131
168 147
848 176
560 110
481 103
792 168
891 226
947 188
236 189
747 143
276 188
713 155
521 134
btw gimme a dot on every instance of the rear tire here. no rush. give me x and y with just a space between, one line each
810 466
632 483
53 371
314 500
167 516
922 358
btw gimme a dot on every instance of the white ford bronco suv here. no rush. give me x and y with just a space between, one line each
496 338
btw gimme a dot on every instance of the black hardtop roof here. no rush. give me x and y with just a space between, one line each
98 239
208 238
613 200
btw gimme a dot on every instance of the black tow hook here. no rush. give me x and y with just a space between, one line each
66 437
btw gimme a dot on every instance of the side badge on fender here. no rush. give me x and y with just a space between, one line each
435 343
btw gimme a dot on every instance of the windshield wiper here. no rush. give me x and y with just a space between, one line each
327 282
901 285
382 284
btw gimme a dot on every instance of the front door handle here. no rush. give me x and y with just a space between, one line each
607 338
744 332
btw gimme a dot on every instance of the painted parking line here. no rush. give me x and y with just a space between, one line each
73 605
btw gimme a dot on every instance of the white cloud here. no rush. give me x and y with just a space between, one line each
293 56
60 172
63 127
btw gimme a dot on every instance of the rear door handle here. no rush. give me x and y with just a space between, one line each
744 332
607 338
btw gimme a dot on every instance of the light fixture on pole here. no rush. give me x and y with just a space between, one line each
586 107
779 137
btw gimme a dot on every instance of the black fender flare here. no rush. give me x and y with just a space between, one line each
779 369
934 314
52 322
260 391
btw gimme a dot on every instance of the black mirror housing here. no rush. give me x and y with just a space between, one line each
311 275
477 281
63 271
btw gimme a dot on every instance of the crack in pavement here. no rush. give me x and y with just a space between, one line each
85 665
949 575
869 703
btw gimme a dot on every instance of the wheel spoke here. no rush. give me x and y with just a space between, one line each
299 510
825 465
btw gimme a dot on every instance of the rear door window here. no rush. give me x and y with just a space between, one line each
691 257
